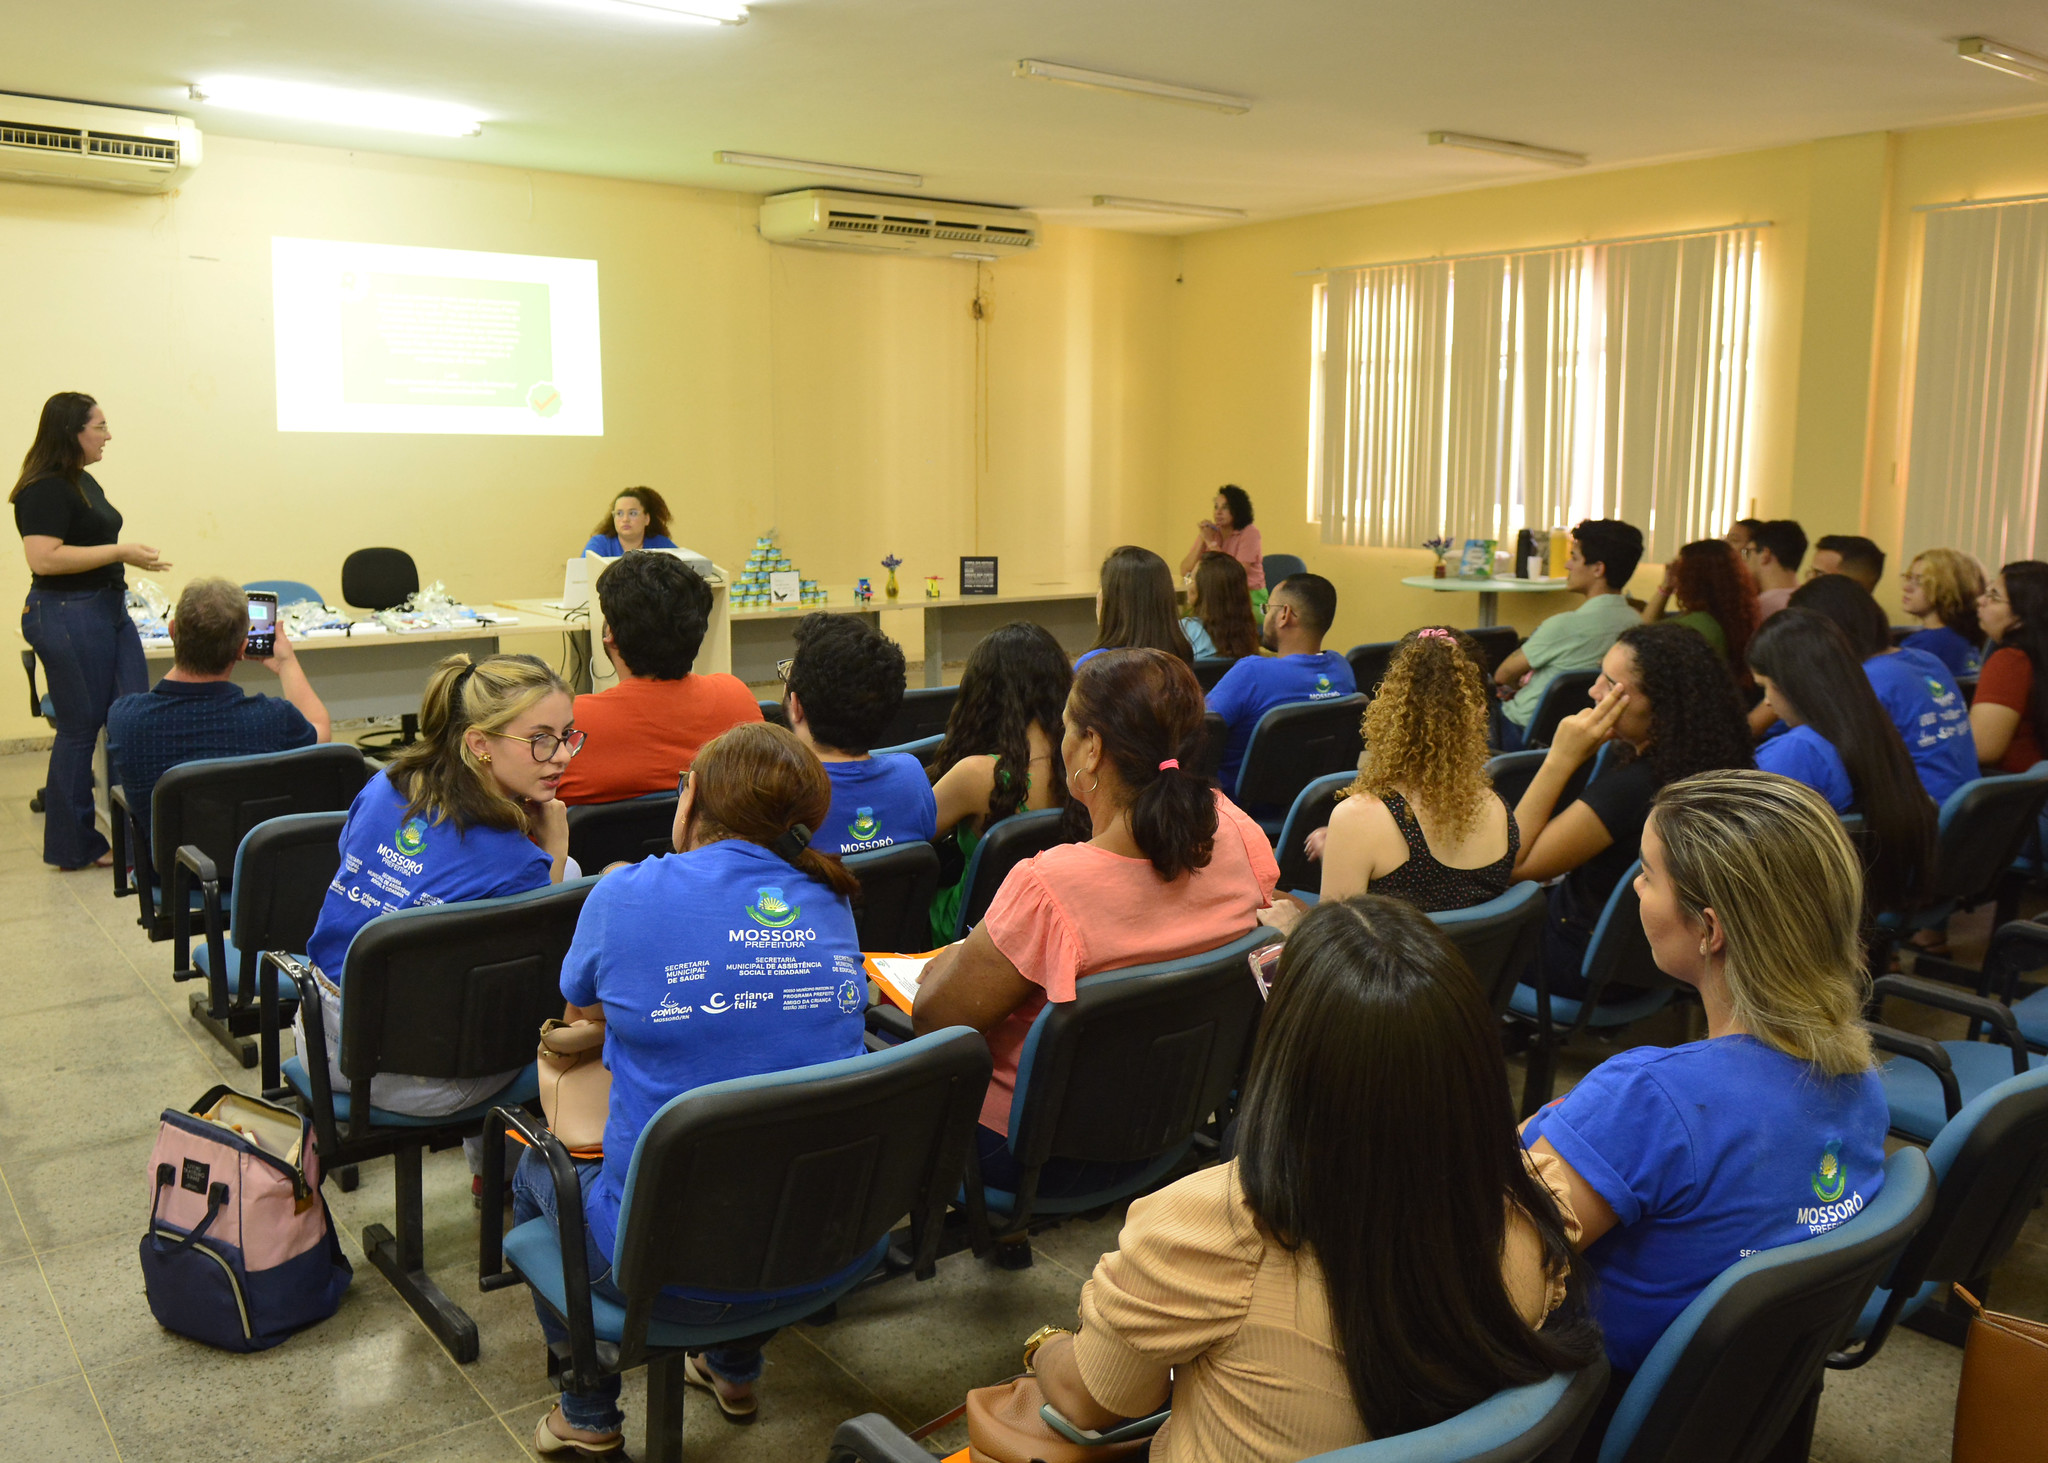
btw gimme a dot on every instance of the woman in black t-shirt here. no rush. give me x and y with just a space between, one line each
1666 699
76 617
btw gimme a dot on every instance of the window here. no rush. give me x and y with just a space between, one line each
1471 397
1979 416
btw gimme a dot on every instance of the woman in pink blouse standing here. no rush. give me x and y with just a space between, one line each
1230 532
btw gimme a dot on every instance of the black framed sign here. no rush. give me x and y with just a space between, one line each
977 576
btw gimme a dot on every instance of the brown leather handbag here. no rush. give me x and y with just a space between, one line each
2002 1405
1004 1426
575 1085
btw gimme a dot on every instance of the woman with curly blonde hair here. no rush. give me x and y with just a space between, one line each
1940 589
1423 823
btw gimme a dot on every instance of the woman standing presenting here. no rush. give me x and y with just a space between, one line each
76 617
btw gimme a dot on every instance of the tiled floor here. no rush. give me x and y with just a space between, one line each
97 1044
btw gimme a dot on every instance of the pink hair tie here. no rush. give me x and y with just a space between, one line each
1433 633
1169 762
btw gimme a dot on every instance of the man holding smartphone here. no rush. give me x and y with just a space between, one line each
197 711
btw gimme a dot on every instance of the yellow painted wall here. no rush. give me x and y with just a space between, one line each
848 400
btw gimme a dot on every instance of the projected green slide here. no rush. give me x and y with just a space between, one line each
383 338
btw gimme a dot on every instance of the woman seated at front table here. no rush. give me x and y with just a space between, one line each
1380 1255
1173 869
1135 607
1842 744
638 520
1422 822
1681 1160
1000 754
1670 707
1228 530
466 812
743 861
1219 623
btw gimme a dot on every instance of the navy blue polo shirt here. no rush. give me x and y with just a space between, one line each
150 732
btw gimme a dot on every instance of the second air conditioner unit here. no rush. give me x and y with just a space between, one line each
90 146
881 223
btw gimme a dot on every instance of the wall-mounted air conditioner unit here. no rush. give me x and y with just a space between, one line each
90 146
881 223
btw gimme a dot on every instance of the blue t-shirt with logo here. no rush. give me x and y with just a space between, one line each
1804 755
1706 1153
392 859
1949 647
877 802
1925 704
719 963
1255 685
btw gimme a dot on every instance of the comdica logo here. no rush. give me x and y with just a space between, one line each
865 824
411 836
771 910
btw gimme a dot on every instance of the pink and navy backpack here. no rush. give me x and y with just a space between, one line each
241 1251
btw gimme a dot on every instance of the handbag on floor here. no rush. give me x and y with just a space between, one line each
2002 1404
575 1084
241 1251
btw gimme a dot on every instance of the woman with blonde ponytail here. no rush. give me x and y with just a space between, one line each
466 812
736 956
1682 1160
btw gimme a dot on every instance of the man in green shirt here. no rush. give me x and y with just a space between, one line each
1605 552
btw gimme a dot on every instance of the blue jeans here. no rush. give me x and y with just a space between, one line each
90 654
533 1197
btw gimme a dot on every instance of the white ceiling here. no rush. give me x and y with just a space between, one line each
1343 92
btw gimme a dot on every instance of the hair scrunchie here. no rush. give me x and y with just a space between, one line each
791 844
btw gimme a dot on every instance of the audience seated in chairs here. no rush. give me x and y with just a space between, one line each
466 812
1136 607
1940 589
1848 554
1001 752
1173 868
745 879
1717 597
197 711
1380 1255
845 684
1604 554
648 727
2011 706
1298 615
1915 689
1843 746
1219 623
1682 1160
1773 555
1422 823
1669 705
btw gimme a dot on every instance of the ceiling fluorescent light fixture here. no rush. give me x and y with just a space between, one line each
1165 91
1554 156
1154 205
2011 61
310 103
830 170
706 12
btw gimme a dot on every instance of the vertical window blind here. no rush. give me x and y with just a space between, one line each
1470 397
1979 418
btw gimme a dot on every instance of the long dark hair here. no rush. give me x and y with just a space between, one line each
55 453
1377 1133
1147 707
1223 603
1709 575
651 503
1017 676
1697 723
1138 605
1812 666
2026 590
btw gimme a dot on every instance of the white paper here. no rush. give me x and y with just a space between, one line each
903 972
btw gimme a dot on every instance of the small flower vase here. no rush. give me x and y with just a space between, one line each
891 590
1440 572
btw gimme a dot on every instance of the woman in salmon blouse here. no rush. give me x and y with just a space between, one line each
1229 531
1172 869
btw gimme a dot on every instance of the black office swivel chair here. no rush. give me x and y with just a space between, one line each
622 832
382 579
